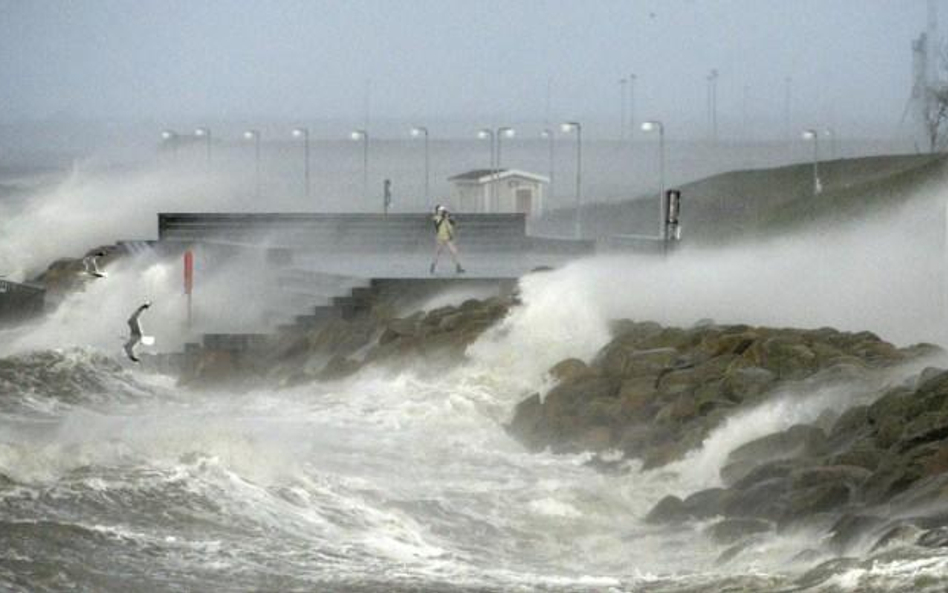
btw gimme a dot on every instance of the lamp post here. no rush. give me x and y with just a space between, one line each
650 126
815 137
632 78
170 137
622 86
568 127
488 134
551 145
304 134
364 137
831 134
500 134
423 131
255 136
206 134
713 104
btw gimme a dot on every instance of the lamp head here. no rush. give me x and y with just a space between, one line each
482 134
809 135
200 132
298 132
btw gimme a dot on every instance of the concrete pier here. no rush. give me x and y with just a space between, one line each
19 302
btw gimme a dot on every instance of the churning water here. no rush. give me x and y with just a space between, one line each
112 480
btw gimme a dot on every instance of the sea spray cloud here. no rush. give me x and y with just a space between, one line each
94 205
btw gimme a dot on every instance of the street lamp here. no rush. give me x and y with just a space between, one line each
255 136
170 137
364 136
206 134
650 126
568 127
713 104
551 144
622 85
488 134
423 131
304 134
500 134
632 78
815 137
831 134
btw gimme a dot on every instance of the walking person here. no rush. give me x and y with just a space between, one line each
444 238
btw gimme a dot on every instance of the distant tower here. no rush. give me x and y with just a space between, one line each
933 48
925 76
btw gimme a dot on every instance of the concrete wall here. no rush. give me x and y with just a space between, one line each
342 233
19 302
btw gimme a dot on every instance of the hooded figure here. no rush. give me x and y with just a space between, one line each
444 238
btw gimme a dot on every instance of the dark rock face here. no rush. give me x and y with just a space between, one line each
656 392
341 347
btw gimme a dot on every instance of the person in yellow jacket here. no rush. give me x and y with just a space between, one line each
444 238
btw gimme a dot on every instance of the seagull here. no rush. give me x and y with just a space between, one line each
135 333
91 266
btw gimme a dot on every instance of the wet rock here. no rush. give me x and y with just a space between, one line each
779 468
568 369
825 571
816 499
850 528
934 538
339 367
730 531
705 503
849 475
742 383
649 362
899 535
764 500
797 441
849 424
865 457
670 509
637 396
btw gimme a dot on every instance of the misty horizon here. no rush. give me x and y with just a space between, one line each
462 66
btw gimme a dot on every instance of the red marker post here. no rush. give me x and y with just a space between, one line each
188 279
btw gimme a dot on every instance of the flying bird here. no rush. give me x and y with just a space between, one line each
135 333
91 265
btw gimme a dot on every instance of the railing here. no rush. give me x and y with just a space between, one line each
20 301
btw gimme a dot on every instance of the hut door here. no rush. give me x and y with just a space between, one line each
525 201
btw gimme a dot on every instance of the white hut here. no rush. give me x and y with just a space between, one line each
503 190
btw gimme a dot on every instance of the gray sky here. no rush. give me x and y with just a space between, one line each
136 59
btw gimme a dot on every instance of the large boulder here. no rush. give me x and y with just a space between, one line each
800 440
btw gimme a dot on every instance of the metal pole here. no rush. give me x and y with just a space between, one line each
427 163
365 166
661 177
306 163
816 164
631 107
622 86
256 147
579 181
552 161
499 136
208 148
493 171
